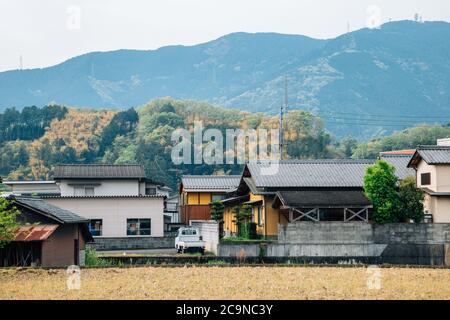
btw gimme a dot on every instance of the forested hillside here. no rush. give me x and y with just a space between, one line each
397 69
35 139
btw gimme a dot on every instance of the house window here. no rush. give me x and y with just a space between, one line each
218 197
425 179
259 213
95 227
83 191
139 227
78 191
151 191
89 191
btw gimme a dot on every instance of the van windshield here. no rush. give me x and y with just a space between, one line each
189 232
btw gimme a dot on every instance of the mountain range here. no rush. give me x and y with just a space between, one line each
365 83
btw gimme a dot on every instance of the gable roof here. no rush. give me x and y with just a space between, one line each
308 173
431 155
53 212
210 183
400 163
99 171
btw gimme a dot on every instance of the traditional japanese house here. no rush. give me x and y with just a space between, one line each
198 191
295 190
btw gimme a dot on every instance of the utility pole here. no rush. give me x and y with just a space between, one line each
283 108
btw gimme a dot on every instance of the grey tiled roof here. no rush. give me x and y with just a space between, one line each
310 173
98 171
324 198
40 205
400 163
435 154
213 183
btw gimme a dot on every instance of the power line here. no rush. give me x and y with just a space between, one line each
379 120
371 124
386 116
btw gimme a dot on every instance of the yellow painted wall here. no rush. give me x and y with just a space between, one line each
228 218
205 198
195 198
272 217
192 198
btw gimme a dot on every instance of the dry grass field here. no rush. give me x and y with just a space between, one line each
227 283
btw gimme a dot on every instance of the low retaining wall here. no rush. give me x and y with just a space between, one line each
132 243
424 244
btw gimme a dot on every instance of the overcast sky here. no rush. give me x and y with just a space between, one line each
47 32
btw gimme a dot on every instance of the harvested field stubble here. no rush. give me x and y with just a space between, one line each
227 283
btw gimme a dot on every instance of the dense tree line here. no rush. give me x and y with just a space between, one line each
28 124
31 144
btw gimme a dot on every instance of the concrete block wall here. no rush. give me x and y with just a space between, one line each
132 243
239 251
363 233
209 230
326 233
412 233
325 250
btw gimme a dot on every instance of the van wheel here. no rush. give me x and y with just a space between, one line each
178 250
183 250
202 251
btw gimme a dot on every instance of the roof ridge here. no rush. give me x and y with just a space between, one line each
434 147
302 161
396 155
212 176
95 164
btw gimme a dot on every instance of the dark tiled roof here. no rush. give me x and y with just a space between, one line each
39 205
210 183
321 198
400 163
101 197
434 154
309 173
99 171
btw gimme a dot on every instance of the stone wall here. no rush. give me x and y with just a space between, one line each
209 230
132 243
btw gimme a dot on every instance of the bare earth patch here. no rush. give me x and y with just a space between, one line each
226 283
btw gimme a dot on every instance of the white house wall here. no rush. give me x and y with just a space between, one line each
105 188
423 167
443 178
115 211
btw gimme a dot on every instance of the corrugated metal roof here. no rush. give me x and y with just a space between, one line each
99 171
309 173
435 154
213 183
400 163
321 198
65 216
409 152
35 233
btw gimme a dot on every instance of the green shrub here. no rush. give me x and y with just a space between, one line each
92 259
